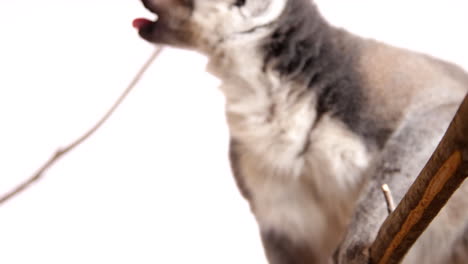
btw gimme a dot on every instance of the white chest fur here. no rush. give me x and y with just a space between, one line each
303 173
308 196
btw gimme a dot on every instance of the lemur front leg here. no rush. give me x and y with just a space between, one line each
404 155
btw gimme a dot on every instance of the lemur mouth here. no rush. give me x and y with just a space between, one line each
145 27
141 23
171 26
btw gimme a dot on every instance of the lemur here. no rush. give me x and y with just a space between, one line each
319 119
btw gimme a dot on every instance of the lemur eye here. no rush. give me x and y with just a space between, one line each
240 3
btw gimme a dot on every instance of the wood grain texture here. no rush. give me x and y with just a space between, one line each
440 178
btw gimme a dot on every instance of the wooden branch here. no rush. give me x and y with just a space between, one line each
61 152
443 174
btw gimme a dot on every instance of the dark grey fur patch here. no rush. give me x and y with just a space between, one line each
282 250
304 48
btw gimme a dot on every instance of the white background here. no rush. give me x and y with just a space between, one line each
153 185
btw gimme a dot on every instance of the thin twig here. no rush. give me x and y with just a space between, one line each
388 198
61 152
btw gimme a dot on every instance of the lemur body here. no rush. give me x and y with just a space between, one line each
319 119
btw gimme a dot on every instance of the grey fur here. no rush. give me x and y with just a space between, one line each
281 249
304 48
319 119
419 135
235 162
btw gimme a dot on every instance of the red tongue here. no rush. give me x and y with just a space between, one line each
141 22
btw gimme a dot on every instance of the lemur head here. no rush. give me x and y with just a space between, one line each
204 25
